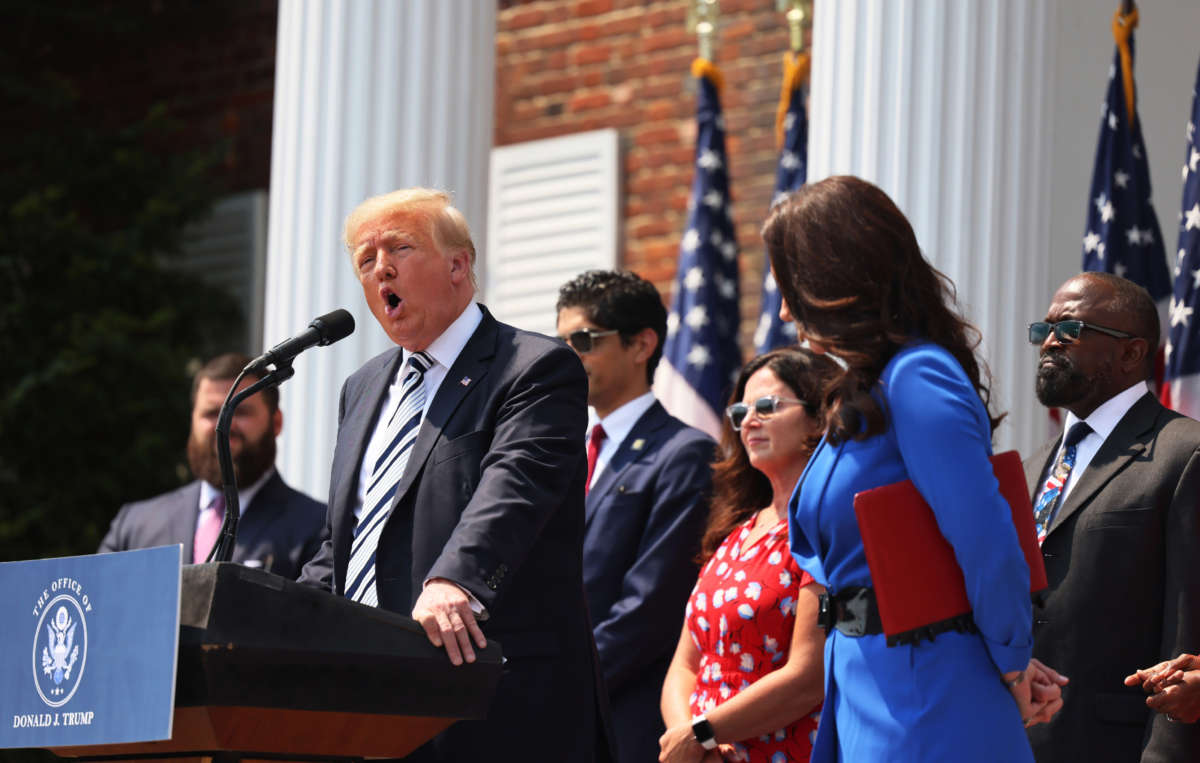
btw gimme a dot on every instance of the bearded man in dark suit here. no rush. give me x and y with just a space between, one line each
279 528
1116 498
457 486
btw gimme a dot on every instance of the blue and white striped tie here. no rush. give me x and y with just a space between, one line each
400 435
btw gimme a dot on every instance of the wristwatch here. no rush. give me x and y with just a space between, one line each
702 730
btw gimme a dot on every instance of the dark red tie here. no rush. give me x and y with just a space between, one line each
593 451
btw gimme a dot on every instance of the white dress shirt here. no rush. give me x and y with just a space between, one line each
444 351
1103 421
617 426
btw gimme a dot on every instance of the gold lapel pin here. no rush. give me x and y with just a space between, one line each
638 444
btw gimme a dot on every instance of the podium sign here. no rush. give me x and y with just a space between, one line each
88 648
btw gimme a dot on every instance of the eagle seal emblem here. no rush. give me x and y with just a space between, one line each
59 650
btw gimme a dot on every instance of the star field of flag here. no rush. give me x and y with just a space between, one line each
702 326
1122 234
789 175
1182 378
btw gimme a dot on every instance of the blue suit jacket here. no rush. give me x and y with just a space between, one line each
939 700
645 516
279 531
492 499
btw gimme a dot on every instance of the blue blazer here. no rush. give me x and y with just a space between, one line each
936 701
646 514
279 531
492 499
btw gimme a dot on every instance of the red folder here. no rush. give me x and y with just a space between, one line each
919 587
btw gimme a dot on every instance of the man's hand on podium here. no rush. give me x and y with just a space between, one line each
444 611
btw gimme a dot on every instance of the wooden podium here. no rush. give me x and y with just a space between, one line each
269 668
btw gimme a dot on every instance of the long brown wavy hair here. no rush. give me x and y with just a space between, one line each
851 273
739 490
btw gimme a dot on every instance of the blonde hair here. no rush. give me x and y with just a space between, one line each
449 226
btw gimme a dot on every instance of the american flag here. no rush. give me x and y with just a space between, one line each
701 354
1181 384
789 175
1122 234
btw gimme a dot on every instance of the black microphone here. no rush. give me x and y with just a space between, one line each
324 330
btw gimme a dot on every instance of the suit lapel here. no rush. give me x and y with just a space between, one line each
642 436
1121 446
467 373
183 522
1037 464
258 513
356 432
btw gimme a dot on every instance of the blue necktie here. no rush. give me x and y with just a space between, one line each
400 435
1052 489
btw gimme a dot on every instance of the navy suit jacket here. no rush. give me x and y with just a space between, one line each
645 516
279 531
492 499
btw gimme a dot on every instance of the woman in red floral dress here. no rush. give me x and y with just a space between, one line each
746 681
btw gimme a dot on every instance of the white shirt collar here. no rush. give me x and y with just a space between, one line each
446 348
1105 418
245 495
619 423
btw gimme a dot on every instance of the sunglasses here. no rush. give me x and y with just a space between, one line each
765 407
584 340
1069 331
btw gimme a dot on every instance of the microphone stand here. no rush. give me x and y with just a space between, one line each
222 550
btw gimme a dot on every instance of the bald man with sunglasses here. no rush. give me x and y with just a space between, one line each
1115 500
648 482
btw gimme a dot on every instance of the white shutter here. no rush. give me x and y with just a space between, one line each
552 213
229 250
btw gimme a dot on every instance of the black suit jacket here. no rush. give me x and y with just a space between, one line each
1123 562
645 515
279 531
492 499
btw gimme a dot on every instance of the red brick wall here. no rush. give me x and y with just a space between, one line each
566 66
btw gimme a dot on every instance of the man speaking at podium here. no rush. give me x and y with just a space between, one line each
457 486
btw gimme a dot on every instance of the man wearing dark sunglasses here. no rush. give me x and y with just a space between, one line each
1115 501
647 501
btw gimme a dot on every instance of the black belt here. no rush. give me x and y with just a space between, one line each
852 611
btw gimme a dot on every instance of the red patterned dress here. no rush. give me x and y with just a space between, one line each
741 615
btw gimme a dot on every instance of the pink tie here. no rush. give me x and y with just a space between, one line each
209 529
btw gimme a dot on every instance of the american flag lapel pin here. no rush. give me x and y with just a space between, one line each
466 381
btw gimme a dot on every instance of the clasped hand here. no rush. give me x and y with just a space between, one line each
1173 686
1039 695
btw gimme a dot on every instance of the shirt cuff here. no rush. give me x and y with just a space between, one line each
477 608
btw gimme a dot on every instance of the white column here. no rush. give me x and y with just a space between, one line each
946 105
370 96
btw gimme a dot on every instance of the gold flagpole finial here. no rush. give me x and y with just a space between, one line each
799 17
1124 20
702 19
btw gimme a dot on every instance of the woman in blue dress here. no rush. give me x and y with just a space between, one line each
910 405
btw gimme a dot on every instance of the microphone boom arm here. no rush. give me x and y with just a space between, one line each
222 550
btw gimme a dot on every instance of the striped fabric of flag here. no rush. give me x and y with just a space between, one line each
791 173
1181 383
1122 234
701 353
